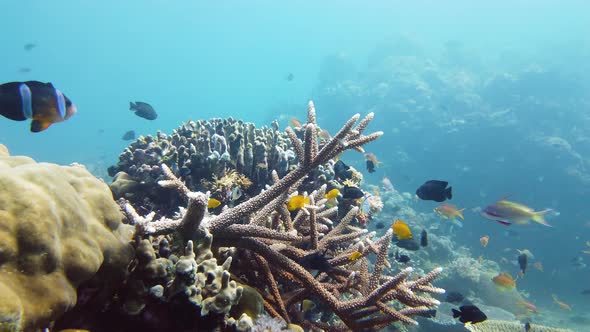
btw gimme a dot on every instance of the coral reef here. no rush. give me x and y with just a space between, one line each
219 155
59 227
507 326
276 250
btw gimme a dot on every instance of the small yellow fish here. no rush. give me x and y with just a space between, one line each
354 256
449 211
332 193
307 305
213 203
401 230
297 202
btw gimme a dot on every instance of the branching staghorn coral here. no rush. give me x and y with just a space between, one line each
274 244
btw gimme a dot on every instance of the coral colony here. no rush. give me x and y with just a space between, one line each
246 264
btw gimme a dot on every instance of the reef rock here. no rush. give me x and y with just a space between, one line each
58 226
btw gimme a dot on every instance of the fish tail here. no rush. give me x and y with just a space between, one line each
539 217
460 213
449 192
456 313
132 106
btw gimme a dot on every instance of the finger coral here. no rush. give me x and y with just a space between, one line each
58 226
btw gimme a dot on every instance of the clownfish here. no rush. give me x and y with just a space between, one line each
38 101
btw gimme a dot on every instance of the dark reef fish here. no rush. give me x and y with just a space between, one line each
522 263
35 100
342 171
469 313
527 326
454 297
290 77
585 292
428 313
424 238
409 244
435 190
143 110
370 166
315 261
129 135
379 225
29 46
349 192
401 258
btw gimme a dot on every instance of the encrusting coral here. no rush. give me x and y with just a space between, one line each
506 326
274 250
58 226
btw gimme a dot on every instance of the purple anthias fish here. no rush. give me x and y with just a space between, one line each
508 213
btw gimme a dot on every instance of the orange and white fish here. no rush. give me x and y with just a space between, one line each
38 101
449 211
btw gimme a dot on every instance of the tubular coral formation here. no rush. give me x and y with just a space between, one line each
270 245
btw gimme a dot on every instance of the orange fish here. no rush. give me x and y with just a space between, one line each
295 123
538 265
324 135
528 306
504 281
484 240
449 211
563 305
401 230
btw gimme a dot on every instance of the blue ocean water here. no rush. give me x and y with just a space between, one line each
493 97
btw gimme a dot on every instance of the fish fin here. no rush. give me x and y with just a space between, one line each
503 197
456 313
460 213
505 223
37 125
132 106
449 192
538 217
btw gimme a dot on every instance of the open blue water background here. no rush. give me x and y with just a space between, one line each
203 59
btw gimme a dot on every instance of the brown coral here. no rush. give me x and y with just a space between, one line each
58 226
268 239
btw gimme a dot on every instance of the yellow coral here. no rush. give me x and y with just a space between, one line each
228 181
58 226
